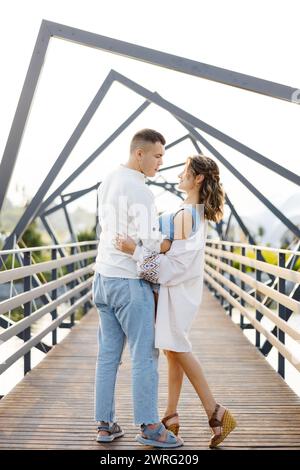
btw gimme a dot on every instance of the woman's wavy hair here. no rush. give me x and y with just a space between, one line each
211 193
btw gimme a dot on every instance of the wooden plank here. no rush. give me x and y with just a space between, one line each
52 407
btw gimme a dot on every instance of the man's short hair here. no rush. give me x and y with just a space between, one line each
146 136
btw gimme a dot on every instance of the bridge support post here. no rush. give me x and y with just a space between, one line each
86 305
222 273
54 295
217 247
72 285
27 312
258 315
243 269
282 314
232 280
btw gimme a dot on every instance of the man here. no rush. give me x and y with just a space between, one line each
125 302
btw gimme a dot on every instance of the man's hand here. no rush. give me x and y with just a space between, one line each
125 244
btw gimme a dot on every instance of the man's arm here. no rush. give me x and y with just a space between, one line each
128 245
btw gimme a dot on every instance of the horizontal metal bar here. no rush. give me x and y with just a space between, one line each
287 274
17 273
282 324
25 322
253 247
47 247
20 299
8 323
257 285
36 339
289 355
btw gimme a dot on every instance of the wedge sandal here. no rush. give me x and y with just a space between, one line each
174 427
227 424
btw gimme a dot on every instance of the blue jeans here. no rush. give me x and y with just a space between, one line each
126 309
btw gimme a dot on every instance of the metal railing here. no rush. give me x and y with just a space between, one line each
59 286
241 278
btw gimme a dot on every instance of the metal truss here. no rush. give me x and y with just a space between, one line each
48 29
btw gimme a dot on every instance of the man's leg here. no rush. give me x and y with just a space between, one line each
111 344
137 320
133 304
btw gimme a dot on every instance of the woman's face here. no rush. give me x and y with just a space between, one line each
186 179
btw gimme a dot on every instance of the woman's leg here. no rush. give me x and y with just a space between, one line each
194 372
175 379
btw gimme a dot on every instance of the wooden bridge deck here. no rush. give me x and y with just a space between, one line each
52 407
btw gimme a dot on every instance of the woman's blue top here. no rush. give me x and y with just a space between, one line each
166 221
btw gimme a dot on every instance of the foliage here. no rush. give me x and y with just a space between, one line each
87 235
16 314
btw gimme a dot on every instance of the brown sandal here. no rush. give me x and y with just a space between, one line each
227 424
172 427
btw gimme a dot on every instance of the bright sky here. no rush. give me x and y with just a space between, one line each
260 38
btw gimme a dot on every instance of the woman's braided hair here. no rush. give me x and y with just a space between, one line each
211 193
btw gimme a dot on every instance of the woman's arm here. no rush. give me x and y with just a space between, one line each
165 245
183 224
147 261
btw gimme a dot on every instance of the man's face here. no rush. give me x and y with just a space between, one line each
150 158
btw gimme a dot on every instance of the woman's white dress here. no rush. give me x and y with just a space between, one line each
180 275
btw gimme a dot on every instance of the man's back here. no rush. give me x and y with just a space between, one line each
126 206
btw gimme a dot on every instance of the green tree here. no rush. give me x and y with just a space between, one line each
87 235
32 237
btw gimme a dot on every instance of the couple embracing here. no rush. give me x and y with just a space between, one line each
147 289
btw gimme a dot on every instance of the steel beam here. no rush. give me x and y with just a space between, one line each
69 223
239 221
71 198
81 192
52 235
245 181
176 142
233 211
189 120
171 167
32 209
228 225
167 186
173 62
93 156
18 125
197 123
154 57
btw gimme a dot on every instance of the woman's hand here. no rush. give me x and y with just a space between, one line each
125 244
165 245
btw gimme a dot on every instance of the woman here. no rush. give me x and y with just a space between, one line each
180 275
